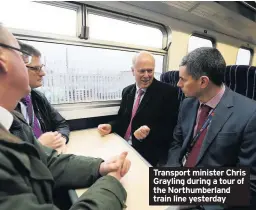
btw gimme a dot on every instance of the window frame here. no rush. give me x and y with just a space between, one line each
82 11
81 22
80 106
203 36
251 54
79 110
127 18
104 107
65 5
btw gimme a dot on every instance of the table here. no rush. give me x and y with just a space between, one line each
89 143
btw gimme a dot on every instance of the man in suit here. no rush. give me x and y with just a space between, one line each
216 126
29 174
49 127
148 112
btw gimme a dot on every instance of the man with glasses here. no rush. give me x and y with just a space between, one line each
49 127
148 112
28 174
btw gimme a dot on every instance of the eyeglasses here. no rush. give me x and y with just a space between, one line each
36 68
27 57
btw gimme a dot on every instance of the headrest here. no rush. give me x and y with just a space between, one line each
239 78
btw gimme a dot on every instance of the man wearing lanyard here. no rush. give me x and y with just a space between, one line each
214 128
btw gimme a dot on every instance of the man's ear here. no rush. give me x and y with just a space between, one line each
132 71
204 81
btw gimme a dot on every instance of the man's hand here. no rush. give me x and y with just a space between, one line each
104 129
62 149
142 132
53 140
117 166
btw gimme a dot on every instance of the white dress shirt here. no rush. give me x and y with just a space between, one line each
6 118
137 93
24 112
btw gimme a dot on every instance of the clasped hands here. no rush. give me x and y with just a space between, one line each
116 166
54 140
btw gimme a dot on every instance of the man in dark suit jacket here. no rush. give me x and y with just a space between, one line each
29 172
49 127
230 138
149 132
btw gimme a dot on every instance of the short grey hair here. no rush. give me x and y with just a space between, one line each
205 61
134 59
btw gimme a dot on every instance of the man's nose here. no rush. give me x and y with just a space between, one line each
42 73
146 74
179 84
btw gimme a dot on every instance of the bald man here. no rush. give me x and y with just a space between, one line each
29 174
148 112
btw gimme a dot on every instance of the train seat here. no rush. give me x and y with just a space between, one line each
239 78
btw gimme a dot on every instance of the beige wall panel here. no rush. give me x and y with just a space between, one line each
177 51
229 52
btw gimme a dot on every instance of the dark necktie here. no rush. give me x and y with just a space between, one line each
134 110
192 158
32 117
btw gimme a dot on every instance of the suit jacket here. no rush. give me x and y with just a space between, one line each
29 174
158 110
49 118
230 139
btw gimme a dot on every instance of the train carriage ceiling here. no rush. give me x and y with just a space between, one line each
237 19
223 17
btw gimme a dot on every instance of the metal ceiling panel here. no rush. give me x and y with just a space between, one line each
184 5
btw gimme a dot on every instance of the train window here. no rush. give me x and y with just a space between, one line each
243 57
38 17
117 30
196 42
85 74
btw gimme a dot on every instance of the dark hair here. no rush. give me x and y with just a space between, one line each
205 61
29 49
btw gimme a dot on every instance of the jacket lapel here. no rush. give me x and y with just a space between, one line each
221 114
19 116
144 101
5 135
147 96
191 116
130 99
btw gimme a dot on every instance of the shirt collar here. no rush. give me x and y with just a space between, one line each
216 99
6 118
137 88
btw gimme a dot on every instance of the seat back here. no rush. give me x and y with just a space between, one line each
172 78
239 78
